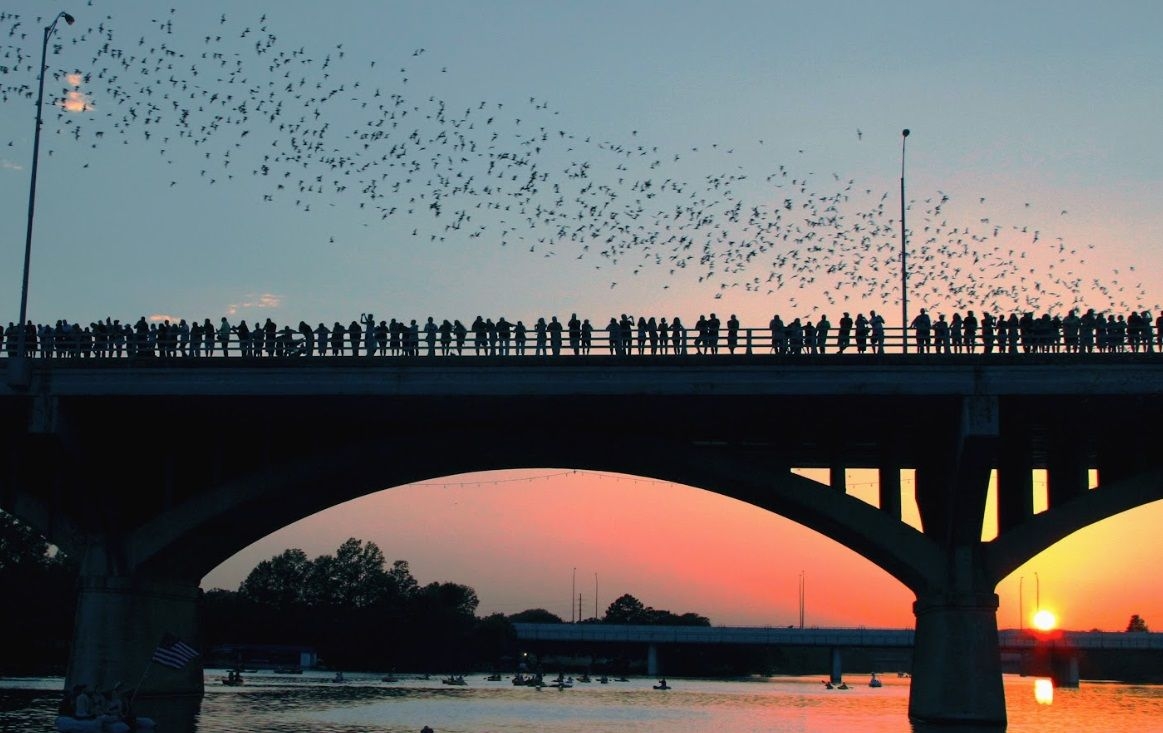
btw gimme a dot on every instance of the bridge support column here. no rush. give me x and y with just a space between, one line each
957 674
119 623
653 668
1064 670
837 675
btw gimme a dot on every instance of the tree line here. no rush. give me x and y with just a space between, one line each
353 607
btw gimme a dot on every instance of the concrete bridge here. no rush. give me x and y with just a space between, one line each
152 473
1067 644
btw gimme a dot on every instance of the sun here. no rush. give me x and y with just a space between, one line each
1045 620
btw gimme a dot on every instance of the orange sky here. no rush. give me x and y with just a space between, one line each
534 539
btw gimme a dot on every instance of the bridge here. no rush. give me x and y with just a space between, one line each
835 639
153 472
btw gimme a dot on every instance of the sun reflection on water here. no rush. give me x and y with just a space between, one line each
1044 691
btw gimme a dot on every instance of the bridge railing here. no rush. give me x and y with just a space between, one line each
80 344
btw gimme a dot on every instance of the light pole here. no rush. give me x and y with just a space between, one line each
1021 616
18 369
801 599
904 256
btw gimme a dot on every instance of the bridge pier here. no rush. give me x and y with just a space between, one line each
653 668
119 623
957 676
837 675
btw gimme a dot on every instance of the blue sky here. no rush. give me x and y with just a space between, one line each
1033 165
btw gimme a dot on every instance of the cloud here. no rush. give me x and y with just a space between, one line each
260 301
76 101
9 165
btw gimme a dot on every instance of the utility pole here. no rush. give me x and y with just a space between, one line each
802 589
904 264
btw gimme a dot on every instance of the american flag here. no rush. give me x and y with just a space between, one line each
173 652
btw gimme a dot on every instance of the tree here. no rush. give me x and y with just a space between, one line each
280 582
626 609
21 547
1137 624
357 578
38 584
535 616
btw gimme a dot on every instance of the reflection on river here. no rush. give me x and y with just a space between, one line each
270 703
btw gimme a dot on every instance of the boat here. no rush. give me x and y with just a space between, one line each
875 681
101 724
233 678
338 677
454 680
389 678
494 677
662 685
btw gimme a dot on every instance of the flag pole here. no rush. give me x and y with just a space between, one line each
133 695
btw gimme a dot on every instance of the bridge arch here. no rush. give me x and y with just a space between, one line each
200 533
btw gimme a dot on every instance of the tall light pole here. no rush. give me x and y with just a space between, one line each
802 599
904 256
1021 611
18 374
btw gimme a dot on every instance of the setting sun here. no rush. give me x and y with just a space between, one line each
1045 620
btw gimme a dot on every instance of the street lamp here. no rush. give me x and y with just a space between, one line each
1021 619
802 599
18 370
904 267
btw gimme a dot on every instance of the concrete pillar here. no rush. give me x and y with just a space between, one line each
120 621
838 478
653 668
1064 668
837 675
890 490
1015 485
1068 471
957 674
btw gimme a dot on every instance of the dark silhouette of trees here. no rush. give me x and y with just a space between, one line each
357 612
1137 623
536 616
626 609
279 583
38 585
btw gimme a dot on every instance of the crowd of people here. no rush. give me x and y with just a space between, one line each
1087 332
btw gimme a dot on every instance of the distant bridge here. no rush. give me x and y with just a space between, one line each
853 637
1058 649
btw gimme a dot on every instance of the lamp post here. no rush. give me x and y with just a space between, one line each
904 263
18 370
802 588
1021 617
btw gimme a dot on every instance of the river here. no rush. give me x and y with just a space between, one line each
269 703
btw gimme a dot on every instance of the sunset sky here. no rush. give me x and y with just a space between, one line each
524 159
